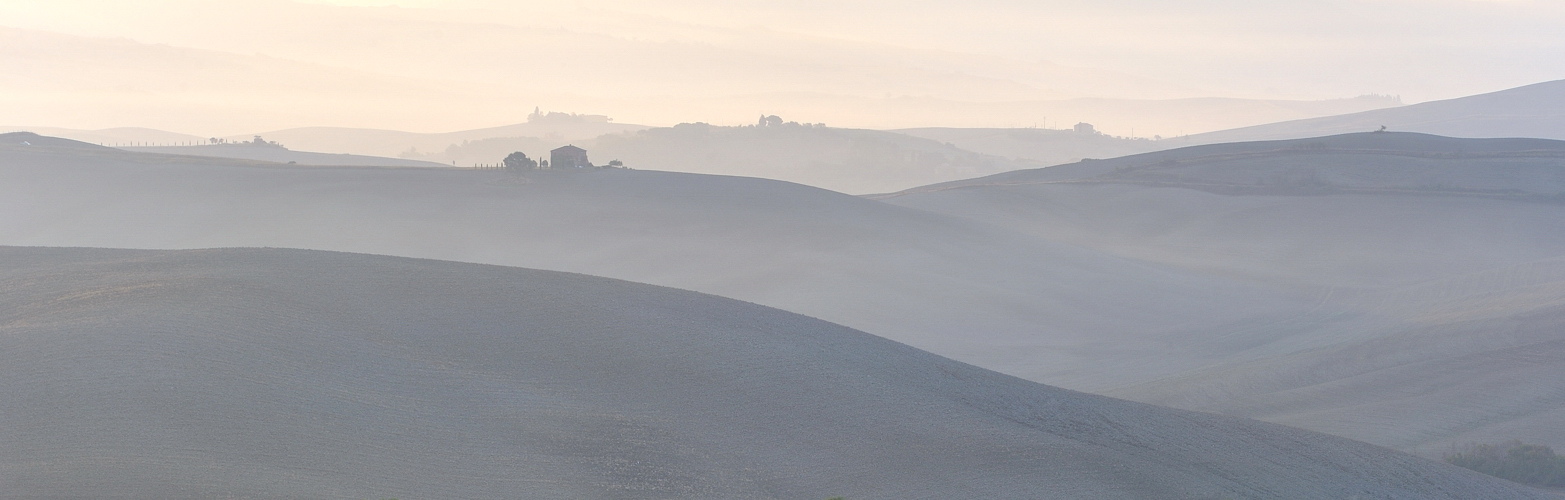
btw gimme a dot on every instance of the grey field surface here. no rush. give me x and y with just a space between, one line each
1435 263
271 373
1400 289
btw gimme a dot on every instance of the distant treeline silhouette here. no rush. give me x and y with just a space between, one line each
258 141
1532 464
138 144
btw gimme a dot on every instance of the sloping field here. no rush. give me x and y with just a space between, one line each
265 373
1044 146
1292 281
1536 110
557 131
1316 165
281 155
1434 263
846 160
1012 302
1473 358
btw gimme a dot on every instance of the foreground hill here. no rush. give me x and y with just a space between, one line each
1435 264
285 373
1536 110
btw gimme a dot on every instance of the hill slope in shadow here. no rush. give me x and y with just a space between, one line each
555 131
1043 146
1434 263
1536 110
286 373
845 160
1017 303
276 154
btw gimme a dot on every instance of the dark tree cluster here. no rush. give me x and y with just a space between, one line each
519 161
1532 464
777 121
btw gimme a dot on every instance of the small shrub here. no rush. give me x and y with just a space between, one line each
1532 464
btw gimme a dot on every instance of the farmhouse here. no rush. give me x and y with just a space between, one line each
569 157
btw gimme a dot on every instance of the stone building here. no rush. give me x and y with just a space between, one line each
569 157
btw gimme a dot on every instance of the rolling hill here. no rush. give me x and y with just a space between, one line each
266 373
1433 262
1017 303
115 137
552 130
845 160
851 160
1309 282
279 154
1536 110
1046 147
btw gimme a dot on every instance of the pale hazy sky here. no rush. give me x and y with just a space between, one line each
416 63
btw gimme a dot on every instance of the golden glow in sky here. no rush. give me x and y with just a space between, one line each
440 65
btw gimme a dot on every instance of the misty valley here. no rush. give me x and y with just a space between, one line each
480 249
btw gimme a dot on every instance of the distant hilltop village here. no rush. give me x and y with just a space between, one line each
538 116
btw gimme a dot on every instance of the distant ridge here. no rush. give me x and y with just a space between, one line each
231 155
284 155
1536 110
119 136
392 143
267 373
35 142
1432 266
1146 167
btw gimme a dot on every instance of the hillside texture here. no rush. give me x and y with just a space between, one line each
1434 265
298 374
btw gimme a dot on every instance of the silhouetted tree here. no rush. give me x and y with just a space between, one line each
519 161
